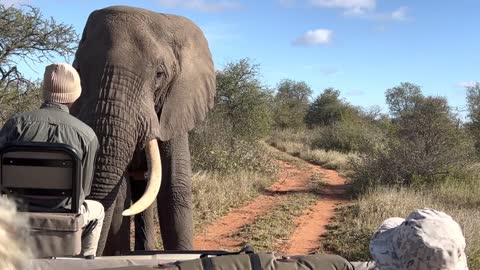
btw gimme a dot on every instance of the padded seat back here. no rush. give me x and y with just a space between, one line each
40 177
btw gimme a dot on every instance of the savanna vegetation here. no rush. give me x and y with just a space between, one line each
417 154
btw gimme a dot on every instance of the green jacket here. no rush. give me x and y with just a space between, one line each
53 123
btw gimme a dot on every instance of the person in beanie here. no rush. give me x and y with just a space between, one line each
426 240
53 123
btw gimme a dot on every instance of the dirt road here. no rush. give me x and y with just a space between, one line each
309 226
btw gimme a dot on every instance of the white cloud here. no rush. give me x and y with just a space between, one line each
350 6
364 9
314 37
9 3
201 5
399 14
468 84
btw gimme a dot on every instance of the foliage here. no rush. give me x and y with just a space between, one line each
18 99
349 135
426 144
459 197
402 99
227 141
299 144
326 109
213 150
26 36
291 104
473 102
242 102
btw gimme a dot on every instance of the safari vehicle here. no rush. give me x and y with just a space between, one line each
52 171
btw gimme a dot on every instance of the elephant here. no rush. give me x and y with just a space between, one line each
147 79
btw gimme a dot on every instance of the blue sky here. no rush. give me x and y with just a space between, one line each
361 47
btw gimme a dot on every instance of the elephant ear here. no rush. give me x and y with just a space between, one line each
192 91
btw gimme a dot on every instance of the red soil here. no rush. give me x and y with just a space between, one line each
310 226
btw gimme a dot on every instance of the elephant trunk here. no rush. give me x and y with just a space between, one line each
112 159
123 120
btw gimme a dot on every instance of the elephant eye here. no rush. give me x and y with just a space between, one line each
159 74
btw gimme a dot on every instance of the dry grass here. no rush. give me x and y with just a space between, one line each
304 136
214 193
327 159
273 230
355 224
269 232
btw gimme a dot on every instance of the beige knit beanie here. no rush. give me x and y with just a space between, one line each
61 84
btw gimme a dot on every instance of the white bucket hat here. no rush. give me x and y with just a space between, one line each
426 240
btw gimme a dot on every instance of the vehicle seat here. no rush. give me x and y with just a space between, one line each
31 172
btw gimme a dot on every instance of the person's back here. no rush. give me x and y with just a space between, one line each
53 123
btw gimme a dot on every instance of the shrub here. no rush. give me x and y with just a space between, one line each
425 145
297 145
355 224
291 104
303 136
213 148
326 109
473 102
349 136
242 103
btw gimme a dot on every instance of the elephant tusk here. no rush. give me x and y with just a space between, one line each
154 180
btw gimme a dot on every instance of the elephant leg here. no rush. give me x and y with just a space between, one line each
174 201
118 241
109 207
145 237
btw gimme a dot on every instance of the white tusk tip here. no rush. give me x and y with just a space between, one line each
127 213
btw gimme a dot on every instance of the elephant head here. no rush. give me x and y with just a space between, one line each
145 76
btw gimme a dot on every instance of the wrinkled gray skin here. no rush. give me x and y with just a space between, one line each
144 76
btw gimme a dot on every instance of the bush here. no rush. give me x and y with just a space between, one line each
355 224
291 104
425 145
242 103
227 141
326 109
302 136
214 148
473 102
349 136
298 143
18 99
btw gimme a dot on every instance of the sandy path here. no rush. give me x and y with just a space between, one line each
310 226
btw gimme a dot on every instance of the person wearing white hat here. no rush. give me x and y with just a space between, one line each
426 240
53 123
